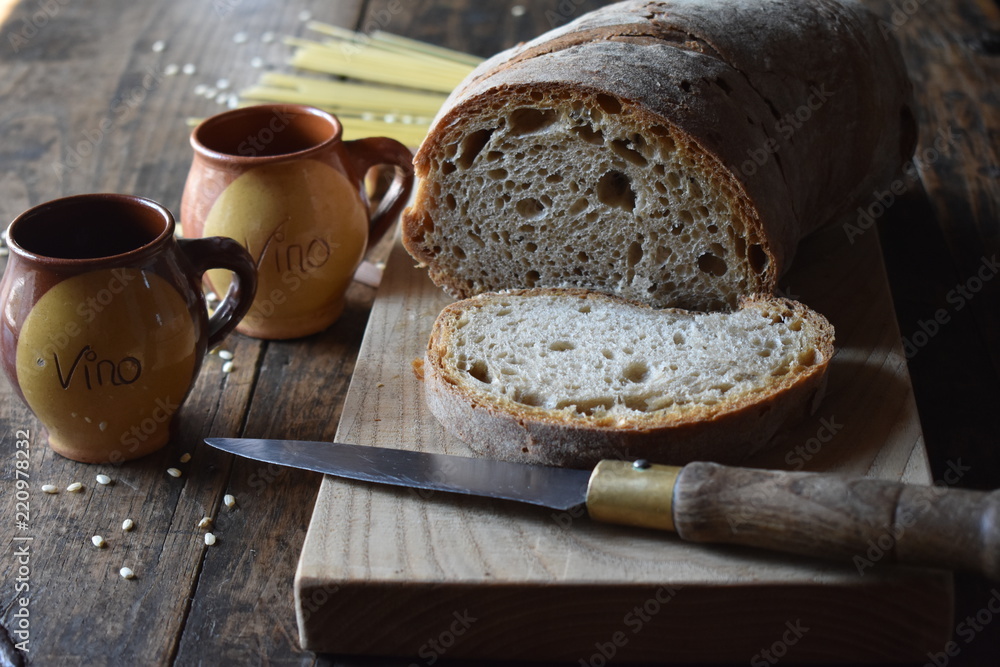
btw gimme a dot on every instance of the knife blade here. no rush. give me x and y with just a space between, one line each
861 520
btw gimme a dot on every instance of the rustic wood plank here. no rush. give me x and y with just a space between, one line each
125 132
243 611
952 57
479 28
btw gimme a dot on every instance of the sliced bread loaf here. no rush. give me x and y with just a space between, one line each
568 377
669 152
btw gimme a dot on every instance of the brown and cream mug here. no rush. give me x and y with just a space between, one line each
279 179
104 321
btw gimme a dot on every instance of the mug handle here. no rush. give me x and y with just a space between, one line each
217 252
373 151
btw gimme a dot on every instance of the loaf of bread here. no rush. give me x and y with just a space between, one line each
670 152
569 377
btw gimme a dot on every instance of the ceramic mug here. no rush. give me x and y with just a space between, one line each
279 179
104 321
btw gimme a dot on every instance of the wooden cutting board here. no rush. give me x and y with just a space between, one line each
385 571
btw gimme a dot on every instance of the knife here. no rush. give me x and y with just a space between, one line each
864 521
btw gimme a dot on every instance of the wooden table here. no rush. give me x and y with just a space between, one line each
87 107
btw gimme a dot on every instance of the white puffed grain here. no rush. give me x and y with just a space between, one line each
209 539
229 500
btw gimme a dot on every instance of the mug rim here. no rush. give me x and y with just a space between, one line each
201 147
138 252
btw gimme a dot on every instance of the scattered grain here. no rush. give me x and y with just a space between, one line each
159 45
98 541
227 367
206 522
128 525
104 480
173 472
75 487
185 458
209 539
229 500
49 488
126 573
225 354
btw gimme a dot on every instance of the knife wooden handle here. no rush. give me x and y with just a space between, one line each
865 521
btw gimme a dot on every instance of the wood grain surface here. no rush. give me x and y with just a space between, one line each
582 577
80 63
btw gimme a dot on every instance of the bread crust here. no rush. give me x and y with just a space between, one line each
779 101
728 432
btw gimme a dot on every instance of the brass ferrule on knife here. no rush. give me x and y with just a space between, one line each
632 493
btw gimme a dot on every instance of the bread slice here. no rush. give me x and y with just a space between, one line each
569 377
669 152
